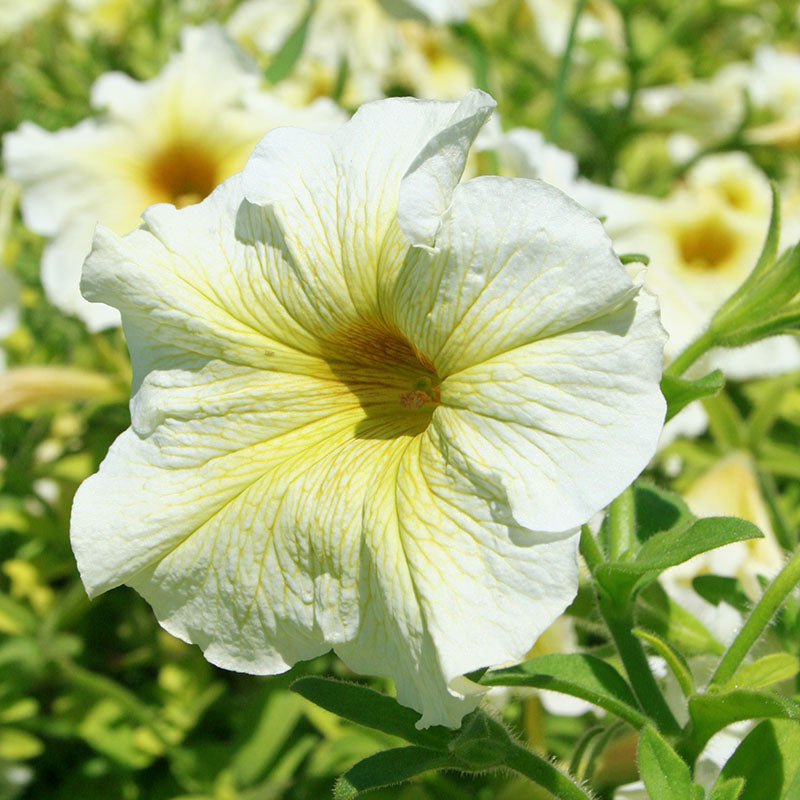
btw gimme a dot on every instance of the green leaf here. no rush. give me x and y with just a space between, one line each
577 674
768 759
765 671
658 612
658 510
764 308
277 722
677 663
725 421
388 767
726 790
668 548
679 392
665 775
717 589
770 248
370 708
711 712
674 547
291 49
786 320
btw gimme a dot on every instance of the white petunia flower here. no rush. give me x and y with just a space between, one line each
378 50
173 139
525 153
15 15
703 240
599 20
370 405
729 488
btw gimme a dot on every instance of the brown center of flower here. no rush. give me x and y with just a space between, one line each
395 384
182 173
707 244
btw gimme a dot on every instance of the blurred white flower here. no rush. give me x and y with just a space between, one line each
729 488
371 405
703 240
109 18
599 20
173 138
377 49
16 14
525 153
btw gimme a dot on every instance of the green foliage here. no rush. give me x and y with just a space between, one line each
664 774
726 790
676 662
388 767
765 671
576 674
669 548
97 701
711 712
679 392
767 762
369 708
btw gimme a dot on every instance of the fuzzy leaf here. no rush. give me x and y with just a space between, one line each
369 708
388 767
576 674
657 612
727 790
768 759
717 589
677 663
664 774
668 548
765 671
712 712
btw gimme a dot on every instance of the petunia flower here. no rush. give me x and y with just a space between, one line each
729 488
169 139
370 405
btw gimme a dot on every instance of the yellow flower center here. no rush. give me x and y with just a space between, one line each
395 384
738 194
707 244
183 173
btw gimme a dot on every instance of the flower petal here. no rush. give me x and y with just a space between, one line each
337 205
454 583
192 281
501 280
546 420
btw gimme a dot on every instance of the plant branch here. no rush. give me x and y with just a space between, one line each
759 618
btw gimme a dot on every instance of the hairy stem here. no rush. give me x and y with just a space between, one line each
759 618
542 772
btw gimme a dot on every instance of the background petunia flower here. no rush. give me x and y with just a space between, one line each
384 45
169 139
370 406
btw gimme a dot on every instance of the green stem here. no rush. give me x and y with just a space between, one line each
621 525
690 354
563 69
542 772
590 550
629 647
634 67
759 618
